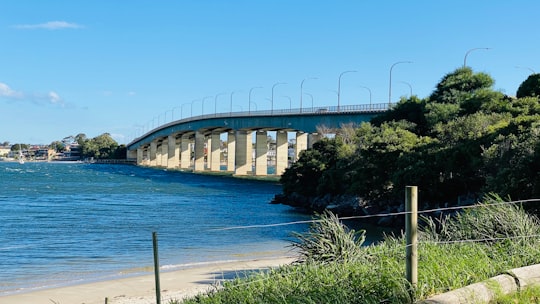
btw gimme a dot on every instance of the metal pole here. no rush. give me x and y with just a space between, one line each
390 84
411 234
272 99
467 53
156 267
301 90
369 90
339 87
249 98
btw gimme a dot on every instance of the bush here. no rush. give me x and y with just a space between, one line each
328 240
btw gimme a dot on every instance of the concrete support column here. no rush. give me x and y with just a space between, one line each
301 143
140 153
231 151
164 152
215 152
207 148
199 151
244 150
282 152
313 138
261 153
185 152
173 151
153 151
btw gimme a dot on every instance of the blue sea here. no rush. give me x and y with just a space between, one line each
70 223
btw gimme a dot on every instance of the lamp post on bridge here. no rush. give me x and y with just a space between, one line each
301 90
215 103
526 68
471 50
192 106
410 87
173 112
232 93
272 99
311 100
369 90
249 98
290 103
182 109
390 83
202 104
339 87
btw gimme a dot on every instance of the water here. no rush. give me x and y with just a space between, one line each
72 223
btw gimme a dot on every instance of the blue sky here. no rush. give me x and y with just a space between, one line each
69 67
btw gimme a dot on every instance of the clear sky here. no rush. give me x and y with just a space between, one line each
97 66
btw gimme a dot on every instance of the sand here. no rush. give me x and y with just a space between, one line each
141 289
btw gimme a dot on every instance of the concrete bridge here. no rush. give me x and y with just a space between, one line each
195 143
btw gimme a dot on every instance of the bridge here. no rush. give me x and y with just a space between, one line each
195 143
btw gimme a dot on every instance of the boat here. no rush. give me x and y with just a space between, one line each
21 156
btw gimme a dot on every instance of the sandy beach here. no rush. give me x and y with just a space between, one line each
141 289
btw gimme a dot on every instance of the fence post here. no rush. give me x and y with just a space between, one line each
411 230
156 267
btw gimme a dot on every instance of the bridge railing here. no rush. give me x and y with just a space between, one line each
318 110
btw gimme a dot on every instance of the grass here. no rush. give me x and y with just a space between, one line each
530 295
333 268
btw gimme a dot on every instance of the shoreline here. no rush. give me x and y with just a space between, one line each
140 289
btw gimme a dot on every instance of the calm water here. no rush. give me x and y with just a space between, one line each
71 223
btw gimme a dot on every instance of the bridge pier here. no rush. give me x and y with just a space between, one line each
261 153
185 152
173 157
215 152
244 152
301 144
199 151
282 152
140 156
231 151
163 150
153 150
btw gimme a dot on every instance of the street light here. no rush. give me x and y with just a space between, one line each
182 109
410 87
390 85
173 113
249 98
467 53
202 104
339 87
311 100
301 90
232 93
526 68
192 106
272 99
369 90
215 103
290 103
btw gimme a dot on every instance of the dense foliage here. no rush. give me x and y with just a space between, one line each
463 140
100 147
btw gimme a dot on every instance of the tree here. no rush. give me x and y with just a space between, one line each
530 87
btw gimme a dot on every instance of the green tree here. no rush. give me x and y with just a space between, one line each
530 87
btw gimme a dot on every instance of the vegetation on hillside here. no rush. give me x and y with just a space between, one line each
464 140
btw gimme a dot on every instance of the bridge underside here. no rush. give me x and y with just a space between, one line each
196 144
241 153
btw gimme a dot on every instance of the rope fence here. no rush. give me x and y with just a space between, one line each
408 249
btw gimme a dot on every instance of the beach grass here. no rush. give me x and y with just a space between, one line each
375 273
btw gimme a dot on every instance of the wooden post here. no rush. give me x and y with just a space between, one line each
156 267
411 230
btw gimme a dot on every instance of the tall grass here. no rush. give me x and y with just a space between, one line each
375 274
